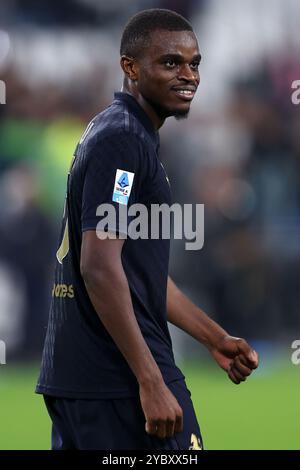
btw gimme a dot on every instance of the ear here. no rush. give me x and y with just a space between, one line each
129 67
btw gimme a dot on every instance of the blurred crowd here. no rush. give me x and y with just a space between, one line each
238 153
249 180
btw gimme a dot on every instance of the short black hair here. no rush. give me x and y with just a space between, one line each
137 31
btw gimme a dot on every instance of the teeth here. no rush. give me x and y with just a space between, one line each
185 92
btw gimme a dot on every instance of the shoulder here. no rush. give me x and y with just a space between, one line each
103 139
113 137
114 124
112 148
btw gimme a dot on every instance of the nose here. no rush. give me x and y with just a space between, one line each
185 73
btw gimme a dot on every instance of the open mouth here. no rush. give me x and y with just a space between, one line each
184 93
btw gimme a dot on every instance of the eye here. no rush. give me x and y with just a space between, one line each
195 65
170 63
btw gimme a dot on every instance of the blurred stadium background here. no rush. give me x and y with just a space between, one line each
238 153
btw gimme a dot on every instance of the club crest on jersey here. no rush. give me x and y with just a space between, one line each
122 186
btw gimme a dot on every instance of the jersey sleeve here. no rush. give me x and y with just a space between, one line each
112 180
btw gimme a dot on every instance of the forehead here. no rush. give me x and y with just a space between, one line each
172 42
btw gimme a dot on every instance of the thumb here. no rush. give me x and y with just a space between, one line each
255 359
249 354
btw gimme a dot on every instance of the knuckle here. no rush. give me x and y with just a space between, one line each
154 421
242 342
170 419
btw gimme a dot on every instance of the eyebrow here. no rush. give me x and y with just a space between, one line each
179 57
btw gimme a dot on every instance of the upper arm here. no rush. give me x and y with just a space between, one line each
99 255
107 161
113 176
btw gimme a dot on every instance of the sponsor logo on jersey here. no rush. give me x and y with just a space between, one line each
63 290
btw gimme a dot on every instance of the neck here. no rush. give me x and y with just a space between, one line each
131 89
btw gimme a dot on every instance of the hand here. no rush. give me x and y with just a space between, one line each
163 414
236 357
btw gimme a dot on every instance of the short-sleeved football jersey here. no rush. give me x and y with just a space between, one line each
116 162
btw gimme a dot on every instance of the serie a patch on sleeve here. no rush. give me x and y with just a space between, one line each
122 187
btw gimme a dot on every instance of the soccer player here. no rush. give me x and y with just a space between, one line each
108 374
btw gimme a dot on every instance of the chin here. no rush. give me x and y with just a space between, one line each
165 111
181 114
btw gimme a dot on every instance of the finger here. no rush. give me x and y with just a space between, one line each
255 359
249 354
179 421
251 362
242 368
232 377
243 360
161 430
151 427
237 374
170 427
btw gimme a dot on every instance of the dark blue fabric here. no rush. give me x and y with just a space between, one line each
80 359
116 424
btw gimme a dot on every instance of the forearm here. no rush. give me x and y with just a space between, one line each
110 295
184 314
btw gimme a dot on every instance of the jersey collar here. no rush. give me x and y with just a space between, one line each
141 115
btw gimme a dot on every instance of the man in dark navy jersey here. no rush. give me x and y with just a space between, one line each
108 373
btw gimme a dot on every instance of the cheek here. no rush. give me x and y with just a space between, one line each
155 79
150 86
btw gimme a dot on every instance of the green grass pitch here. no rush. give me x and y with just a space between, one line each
263 413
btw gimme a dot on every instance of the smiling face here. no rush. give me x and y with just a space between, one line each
165 75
